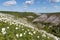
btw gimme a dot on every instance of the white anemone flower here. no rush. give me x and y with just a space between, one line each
30 33
16 28
24 33
7 27
37 36
34 32
21 35
3 29
4 32
17 35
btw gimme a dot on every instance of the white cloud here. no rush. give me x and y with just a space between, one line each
29 2
54 1
9 3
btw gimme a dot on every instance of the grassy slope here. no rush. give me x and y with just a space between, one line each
22 15
11 33
27 33
53 30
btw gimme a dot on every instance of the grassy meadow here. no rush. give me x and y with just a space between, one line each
21 32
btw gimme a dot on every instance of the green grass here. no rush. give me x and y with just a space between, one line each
22 15
53 30
11 33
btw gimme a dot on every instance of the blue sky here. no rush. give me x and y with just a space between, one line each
41 6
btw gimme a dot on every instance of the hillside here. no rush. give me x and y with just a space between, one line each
19 24
49 22
27 15
53 18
